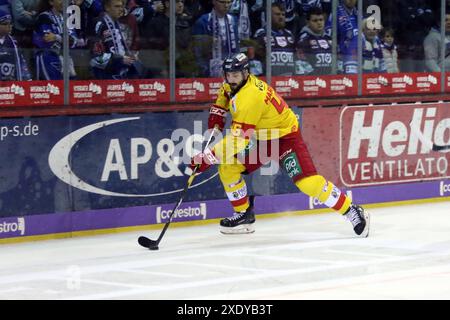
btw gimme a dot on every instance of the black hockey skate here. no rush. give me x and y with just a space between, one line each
239 223
360 220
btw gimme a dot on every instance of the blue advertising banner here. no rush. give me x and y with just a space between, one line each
68 174
69 223
64 164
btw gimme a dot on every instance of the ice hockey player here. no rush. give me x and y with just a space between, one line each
256 109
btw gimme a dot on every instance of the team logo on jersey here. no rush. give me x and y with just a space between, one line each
324 44
7 69
281 41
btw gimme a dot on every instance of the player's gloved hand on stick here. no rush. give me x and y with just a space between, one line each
204 160
217 118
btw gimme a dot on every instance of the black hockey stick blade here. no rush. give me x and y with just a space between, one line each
440 148
147 243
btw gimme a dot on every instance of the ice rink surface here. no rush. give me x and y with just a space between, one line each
407 256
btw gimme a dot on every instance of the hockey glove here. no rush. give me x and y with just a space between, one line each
204 160
217 118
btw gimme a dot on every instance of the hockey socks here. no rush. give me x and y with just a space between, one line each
330 195
237 194
316 186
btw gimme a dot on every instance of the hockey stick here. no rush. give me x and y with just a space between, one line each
426 141
153 244
440 148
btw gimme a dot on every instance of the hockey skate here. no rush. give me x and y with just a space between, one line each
360 220
241 222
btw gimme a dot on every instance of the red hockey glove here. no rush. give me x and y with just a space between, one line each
217 118
204 160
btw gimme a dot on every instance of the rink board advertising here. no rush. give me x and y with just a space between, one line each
68 174
34 225
37 93
377 145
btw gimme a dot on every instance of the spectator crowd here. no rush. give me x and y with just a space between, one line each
126 39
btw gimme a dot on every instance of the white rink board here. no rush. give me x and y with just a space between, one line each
407 256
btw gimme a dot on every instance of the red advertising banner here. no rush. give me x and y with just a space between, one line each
320 130
119 91
378 145
287 87
401 83
364 146
316 86
342 85
447 82
198 89
205 89
31 93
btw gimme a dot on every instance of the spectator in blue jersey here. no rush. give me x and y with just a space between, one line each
89 10
347 35
282 43
215 37
373 61
13 66
112 56
239 8
48 38
314 49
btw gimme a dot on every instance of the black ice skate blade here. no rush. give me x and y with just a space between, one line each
147 243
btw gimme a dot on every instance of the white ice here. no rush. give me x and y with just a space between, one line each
407 256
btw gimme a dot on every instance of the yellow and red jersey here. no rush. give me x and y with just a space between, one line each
256 108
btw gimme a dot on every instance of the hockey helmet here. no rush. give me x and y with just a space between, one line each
236 62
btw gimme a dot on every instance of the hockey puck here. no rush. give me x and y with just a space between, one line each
153 248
